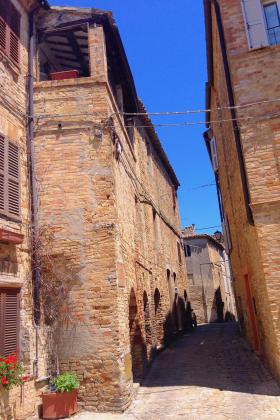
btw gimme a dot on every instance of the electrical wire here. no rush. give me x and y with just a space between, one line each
179 124
200 111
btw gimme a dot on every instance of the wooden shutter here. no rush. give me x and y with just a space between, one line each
2 174
174 196
10 30
179 252
254 22
9 320
214 154
9 179
227 236
13 206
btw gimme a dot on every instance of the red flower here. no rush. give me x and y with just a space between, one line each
24 378
4 380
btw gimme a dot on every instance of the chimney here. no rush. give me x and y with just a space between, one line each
189 231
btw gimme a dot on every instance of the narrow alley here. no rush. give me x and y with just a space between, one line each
208 374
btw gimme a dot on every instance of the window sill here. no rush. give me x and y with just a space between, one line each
265 47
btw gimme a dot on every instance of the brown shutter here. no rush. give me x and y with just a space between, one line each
2 296
3 35
9 179
9 327
13 180
14 47
10 30
2 174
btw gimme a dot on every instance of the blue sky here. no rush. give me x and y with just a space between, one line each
165 45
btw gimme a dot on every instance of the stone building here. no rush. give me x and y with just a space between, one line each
209 280
243 142
16 315
96 269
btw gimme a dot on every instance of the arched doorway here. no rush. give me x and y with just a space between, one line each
158 317
137 347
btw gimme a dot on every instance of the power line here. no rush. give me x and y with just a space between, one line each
204 186
200 111
209 227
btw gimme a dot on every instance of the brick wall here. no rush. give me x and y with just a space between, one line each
20 403
255 249
114 234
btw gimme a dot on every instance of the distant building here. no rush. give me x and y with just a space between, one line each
209 279
243 140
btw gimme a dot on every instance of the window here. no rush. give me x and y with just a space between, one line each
214 154
9 179
227 236
272 21
129 122
174 197
188 251
9 30
254 23
9 320
179 252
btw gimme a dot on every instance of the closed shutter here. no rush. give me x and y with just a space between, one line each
214 154
10 30
254 23
227 236
9 179
9 318
13 180
2 175
3 35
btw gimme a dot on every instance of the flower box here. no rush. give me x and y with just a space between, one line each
58 405
67 74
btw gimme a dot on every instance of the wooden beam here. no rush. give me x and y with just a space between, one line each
76 49
60 51
61 57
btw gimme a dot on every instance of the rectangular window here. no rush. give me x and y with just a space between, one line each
9 320
272 21
214 154
9 179
10 30
179 252
253 14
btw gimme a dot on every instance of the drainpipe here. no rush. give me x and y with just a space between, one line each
233 114
34 192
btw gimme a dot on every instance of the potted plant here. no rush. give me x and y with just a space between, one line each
61 400
11 371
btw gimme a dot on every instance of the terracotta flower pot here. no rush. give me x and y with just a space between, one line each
58 405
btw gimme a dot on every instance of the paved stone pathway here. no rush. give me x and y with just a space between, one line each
208 374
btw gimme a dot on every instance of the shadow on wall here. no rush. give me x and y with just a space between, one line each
217 310
150 334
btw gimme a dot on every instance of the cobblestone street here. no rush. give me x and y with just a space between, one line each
208 374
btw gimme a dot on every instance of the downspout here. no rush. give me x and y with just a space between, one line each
36 279
236 130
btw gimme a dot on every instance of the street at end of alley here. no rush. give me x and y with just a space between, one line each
210 373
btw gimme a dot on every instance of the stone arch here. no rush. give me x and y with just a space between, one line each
147 319
136 339
158 317
170 287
